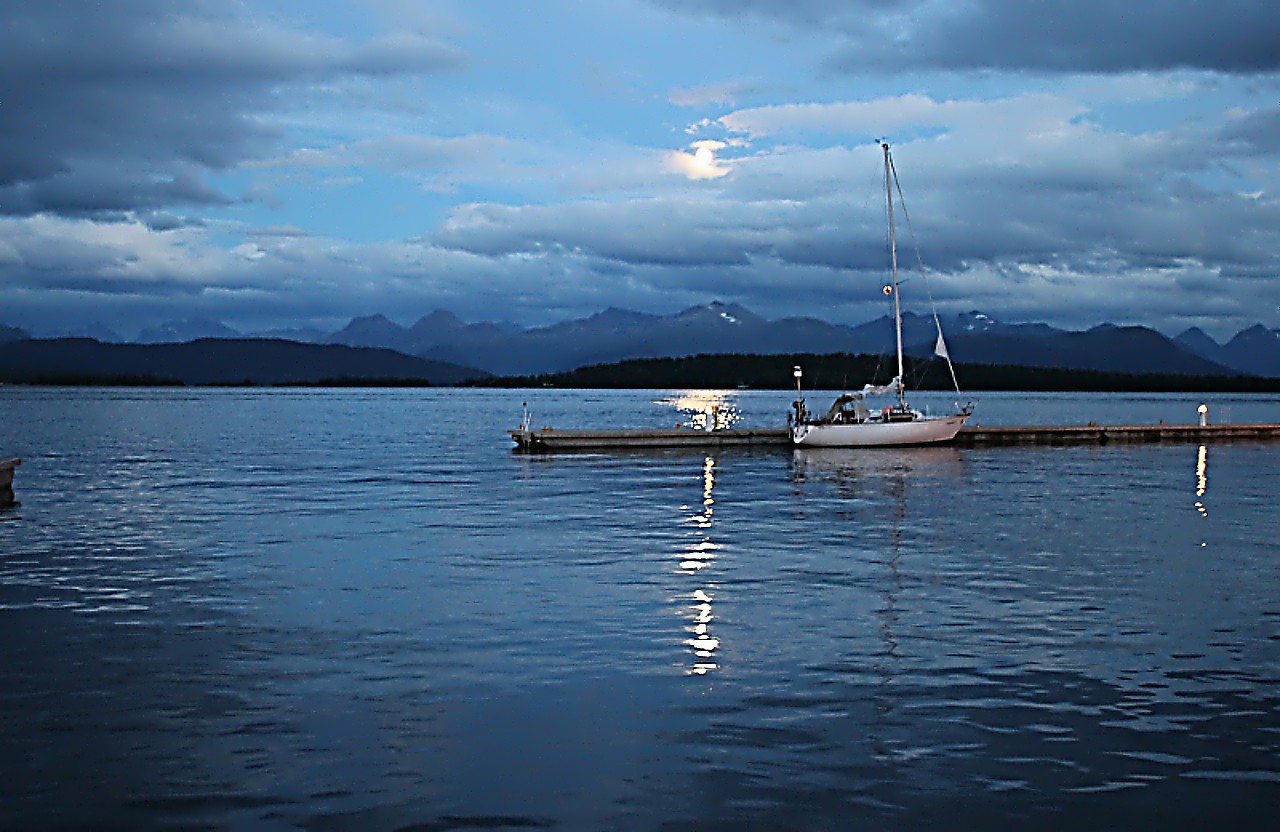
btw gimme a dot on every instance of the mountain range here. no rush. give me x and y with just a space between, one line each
717 328
618 334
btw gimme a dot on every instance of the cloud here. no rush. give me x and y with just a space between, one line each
722 93
131 105
701 163
1254 131
110 257
95 188
1023 203
1030 112
164 160
1051 36
400 154
393 55
664 232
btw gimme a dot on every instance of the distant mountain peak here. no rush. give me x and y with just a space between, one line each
1197 339
1257 331
13 333
185 330
1255 351
442 315
376 319
371 331
365 324
98 331
439 319
720 312
975 321
615 315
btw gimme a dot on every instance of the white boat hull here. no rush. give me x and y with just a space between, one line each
877 434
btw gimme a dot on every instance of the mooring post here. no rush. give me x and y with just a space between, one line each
6 482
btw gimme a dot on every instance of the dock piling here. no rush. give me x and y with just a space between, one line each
6 482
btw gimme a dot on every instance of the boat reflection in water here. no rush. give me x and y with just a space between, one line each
857 467
874 491
696 557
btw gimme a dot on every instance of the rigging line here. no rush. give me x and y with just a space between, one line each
911 234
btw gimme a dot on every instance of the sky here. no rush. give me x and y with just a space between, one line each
294 163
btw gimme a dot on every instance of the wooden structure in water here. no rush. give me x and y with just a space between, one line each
6 481
1120 434
550 440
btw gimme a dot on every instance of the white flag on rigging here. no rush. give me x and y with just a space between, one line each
941 347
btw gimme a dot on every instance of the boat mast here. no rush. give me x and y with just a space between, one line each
893 257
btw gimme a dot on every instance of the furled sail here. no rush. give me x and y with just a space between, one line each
880 389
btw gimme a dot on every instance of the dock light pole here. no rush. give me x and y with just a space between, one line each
799 402
1203 410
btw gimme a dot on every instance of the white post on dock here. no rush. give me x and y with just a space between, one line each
1203 410
799 402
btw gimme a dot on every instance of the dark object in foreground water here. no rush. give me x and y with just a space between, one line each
548 440
6 481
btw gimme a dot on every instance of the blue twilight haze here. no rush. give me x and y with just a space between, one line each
274 164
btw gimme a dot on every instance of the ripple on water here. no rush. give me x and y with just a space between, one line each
311 608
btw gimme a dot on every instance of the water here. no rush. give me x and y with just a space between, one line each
356 609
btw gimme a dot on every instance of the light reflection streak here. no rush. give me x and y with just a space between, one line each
1202 465
1202 484
696 557
704 409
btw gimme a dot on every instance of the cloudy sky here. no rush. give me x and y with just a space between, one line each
279 163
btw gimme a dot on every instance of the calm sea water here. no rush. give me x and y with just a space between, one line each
357 609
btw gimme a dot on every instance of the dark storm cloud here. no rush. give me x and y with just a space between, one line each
94 285
92 190
111 107
1103 36
1256 132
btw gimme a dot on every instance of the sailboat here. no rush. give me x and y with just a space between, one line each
850 423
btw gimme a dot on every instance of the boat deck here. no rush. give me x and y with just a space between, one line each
550 440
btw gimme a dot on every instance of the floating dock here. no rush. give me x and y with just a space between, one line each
6 481
550 440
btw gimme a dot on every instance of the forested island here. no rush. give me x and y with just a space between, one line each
845 371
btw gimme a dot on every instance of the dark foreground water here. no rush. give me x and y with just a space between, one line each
358 610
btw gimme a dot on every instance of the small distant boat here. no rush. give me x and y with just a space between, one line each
850 423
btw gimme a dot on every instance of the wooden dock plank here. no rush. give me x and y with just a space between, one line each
1104 434
574 440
